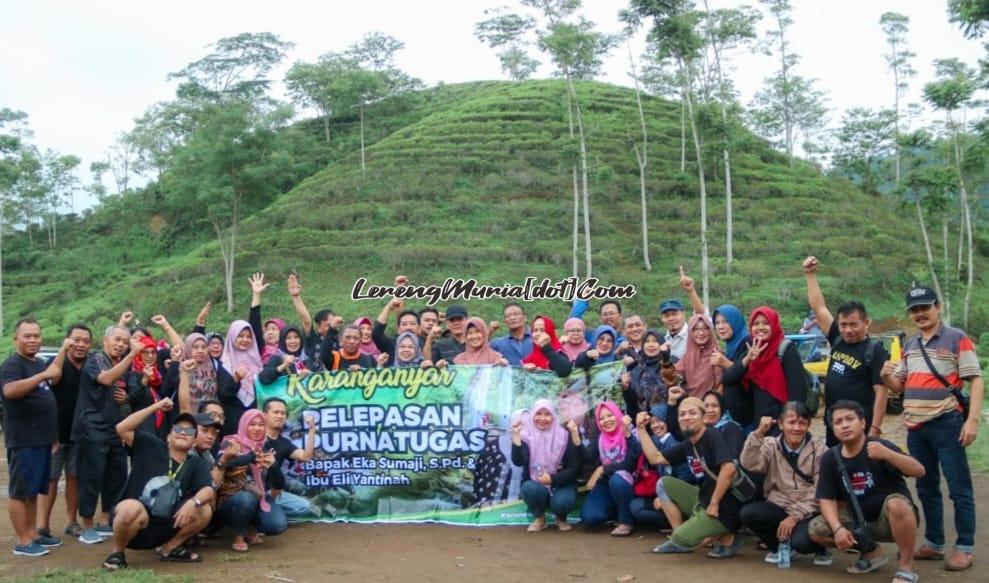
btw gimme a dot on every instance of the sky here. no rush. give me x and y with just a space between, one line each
84 70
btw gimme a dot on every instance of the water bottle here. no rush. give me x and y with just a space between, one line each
783 554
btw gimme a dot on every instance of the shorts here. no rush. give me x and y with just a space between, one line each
880 528
67 459
30 471
152 536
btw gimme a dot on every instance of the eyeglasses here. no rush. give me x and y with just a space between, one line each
574 331
184 430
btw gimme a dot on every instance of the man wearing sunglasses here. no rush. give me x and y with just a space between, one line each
133 525
935 366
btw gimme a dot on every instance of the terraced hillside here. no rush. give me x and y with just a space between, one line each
477 184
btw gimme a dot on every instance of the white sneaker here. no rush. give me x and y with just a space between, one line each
825 559
772 558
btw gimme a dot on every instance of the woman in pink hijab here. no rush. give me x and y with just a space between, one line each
242 359
367 346
544 447
477 349
610 486
573 338
242 503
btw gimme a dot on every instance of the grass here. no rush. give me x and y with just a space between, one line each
472 181
979 451
103 576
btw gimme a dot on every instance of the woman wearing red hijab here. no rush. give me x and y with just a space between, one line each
144 384
547 352
772 379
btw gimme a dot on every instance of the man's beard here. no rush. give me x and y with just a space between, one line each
688 432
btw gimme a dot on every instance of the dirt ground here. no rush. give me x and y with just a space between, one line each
349 552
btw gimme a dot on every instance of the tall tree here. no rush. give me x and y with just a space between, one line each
18 166
952 90
895 26
726 30
675 34
865 140
789 104
642 159
509 32
59 183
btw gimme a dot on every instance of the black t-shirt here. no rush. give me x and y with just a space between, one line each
97 414
872 480
66 394
848 376
711 449
283 448
150 459
30 421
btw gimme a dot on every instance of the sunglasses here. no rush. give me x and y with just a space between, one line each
184 430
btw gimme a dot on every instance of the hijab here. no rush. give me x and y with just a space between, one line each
234 358
417 359
739 331
546 446
660 339
611 445
301 359
154 379
369 348
537 357
248 445
767 370
725 415
202 379
604 329
481 355
268 351
701 376
573 350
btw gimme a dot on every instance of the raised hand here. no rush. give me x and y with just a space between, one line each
203 314
889 368
401 280
642 419
593 354
382 359
719 359
540 338
674 394
765 424
396 304
877 451
626 380
166 404
135 346
686 282
811 264
294 287
756 347
159 320
517 427
188 366
310 422
126 318
257 282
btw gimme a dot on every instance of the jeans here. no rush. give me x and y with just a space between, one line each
937 442
292 504
102 475
644 512
609 498
241 511
561 501
763 518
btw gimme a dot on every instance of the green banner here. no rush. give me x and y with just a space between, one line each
423 445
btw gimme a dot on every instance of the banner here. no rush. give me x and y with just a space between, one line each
423 445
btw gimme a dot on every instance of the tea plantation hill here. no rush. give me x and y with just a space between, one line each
468 182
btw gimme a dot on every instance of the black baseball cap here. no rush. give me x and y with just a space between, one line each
456 312
207 420
187 417
921 296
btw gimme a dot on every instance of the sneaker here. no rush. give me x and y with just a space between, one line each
103 529
669 548
44 532
823 559
89 536
31 550
74 530
47 540
720 551
772 558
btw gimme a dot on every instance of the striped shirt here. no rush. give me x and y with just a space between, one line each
925 397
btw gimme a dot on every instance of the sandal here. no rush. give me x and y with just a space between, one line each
254 539
180 554
115 561
196 542
239 547
905 576
721 551
864 565
622 530
926 553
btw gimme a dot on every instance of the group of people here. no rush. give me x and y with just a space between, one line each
712 435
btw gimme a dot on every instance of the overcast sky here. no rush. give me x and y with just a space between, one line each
83 70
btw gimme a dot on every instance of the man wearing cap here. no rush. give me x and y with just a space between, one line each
153 460
454 344
671 313
208 428
936 364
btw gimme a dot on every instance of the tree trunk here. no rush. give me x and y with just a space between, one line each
944 269
576 196
969 239
787 113
896 115
705 267
363 163
1 265
643 160
683 132
326 126
588 264
927 248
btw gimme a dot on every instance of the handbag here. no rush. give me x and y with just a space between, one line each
645 479
863 538
742 486
160 496
961 397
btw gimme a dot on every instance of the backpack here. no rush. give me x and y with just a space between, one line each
813 400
